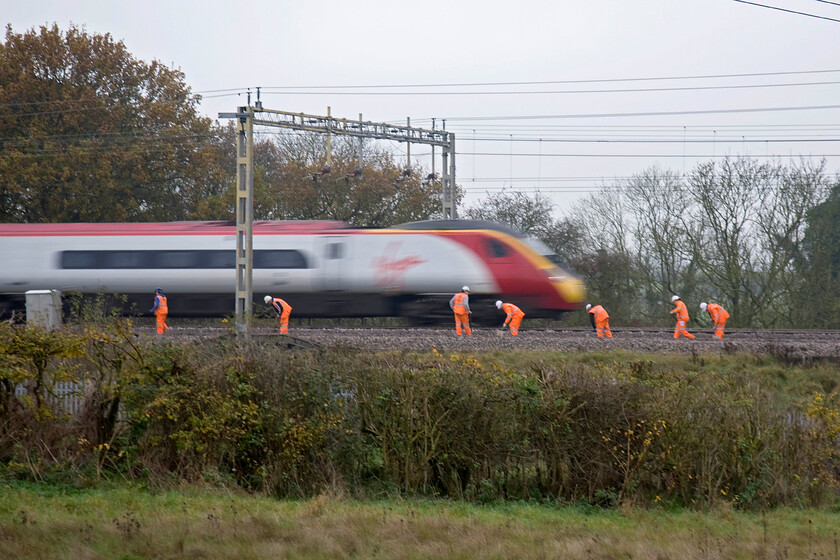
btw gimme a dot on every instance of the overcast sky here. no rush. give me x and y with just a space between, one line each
473 63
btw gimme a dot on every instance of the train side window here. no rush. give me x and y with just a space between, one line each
218 259
175 259
79 259
335 250
495 248
279 259
146 259
124 259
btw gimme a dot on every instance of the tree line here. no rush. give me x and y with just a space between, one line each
760 238
88 133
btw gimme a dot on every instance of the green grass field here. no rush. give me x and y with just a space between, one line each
126 522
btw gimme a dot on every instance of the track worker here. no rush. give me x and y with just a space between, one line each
514 316
718 314
681 312
600 320
283 309
161 310
460 304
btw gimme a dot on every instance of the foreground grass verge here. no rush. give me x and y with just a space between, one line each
44 522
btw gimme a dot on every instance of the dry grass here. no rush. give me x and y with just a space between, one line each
44 523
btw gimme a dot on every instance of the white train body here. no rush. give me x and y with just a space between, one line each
321 268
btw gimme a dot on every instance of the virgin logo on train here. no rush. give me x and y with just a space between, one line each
388 269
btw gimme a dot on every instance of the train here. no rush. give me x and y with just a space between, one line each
322 268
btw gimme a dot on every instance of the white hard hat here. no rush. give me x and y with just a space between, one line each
588 306
465 289
498 304
267 299
703 306
674 298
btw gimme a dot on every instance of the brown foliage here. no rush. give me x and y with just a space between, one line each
88 133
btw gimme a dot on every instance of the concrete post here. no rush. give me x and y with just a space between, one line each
43 309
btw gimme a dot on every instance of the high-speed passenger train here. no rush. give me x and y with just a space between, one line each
322 268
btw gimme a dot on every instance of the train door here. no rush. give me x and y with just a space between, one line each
334 253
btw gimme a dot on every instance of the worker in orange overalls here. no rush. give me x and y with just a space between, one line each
284 310
161 310
460 304
514 315
600 320
682 318
718 314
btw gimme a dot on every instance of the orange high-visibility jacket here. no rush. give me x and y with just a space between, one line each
681 310
460 303
512 311
599 313
161 307
717 312
280 305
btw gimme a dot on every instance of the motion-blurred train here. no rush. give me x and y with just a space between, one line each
322 268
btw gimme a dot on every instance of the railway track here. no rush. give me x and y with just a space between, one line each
787 343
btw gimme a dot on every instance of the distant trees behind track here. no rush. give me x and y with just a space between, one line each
88 133
759 238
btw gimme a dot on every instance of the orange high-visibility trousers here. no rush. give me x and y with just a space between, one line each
602 328
680 330
160 320
284 320
515 321
462 319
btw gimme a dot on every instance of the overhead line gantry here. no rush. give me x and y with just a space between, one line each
250 116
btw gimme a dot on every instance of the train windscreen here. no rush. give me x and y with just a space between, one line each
546 251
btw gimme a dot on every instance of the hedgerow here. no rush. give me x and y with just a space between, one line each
605 429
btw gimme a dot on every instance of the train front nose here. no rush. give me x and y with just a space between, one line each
569 287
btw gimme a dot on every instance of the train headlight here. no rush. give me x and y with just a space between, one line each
567 285
557 275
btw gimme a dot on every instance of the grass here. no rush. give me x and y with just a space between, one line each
130 522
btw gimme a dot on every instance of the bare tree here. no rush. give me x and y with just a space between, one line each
724 236
607 264
656 200
781 225
529 214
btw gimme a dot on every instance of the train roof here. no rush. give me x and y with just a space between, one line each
166 228
437 225
228 227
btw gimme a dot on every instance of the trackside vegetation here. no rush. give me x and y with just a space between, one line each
602 429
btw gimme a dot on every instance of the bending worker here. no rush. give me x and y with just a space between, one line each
283 309
600 320
161 310
718 314
682 318
514 315
460 304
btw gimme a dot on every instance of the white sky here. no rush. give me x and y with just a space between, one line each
224 45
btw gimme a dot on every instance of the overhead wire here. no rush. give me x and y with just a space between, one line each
554 92
786 10
486 124
555 82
